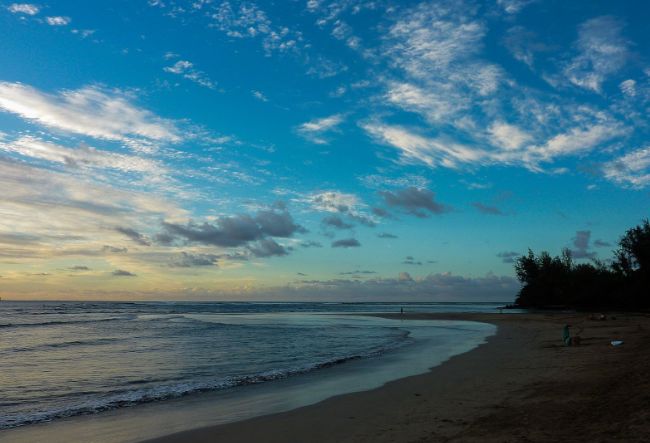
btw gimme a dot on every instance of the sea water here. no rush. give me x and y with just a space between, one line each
64 359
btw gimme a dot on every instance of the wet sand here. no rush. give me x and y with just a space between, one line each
521 386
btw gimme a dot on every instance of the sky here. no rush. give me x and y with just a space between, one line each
315 150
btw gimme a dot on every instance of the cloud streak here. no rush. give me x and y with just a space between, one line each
187 70
346 243
81 157
90 111
602 51
315 130
23 8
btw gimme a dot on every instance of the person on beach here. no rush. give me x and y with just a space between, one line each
567 339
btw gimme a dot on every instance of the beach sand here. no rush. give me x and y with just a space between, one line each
521 386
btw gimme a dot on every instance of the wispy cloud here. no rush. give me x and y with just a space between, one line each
58 20
514 6
628 87
602 51
90 111
346 243
415 148
315 130
248 20
508 136
23 8
430 37
260 96
69 215
631 169
487 209
187 70
343 204
579 139
436 46
333 201
81 157
516 147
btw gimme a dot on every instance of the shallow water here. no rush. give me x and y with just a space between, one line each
65 359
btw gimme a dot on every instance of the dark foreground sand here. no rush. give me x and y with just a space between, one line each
522 386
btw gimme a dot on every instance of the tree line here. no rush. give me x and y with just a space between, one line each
624 283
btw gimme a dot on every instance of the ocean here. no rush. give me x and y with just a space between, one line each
65 359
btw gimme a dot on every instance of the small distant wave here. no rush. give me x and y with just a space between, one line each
61 322
132 397
67 344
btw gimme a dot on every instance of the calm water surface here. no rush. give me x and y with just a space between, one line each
65 359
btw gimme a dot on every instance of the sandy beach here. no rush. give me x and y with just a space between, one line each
523 385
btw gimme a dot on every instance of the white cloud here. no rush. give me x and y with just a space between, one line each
361 84
247 20
90 111
508 136
417 148
482 78
381 182
578 140
312 5
349 205
341 30
522 45
433 106
602 52
58 20
333 201
431 37
632 169
81 157
513 6
628 87
179 67
313 130
436 46
64 213
436 151
188 71
322 67
439 73
260 96
23 8
83 33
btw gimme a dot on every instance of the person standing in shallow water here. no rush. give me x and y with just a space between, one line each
401 310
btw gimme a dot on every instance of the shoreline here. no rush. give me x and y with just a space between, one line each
429 344
520 385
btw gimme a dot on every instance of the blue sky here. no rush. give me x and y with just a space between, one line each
322 150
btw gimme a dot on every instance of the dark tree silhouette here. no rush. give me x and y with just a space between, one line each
549 282
632 264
